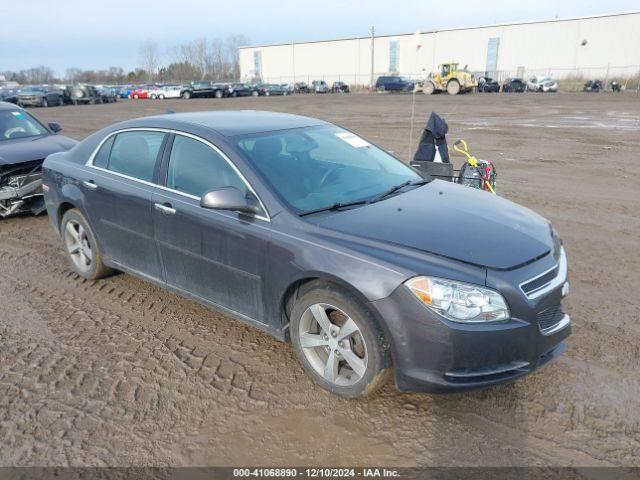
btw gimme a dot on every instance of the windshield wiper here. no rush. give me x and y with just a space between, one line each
395 188
334 206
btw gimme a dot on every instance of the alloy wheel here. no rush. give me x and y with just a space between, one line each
78 246
333 344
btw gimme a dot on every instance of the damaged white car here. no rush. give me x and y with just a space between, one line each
24 144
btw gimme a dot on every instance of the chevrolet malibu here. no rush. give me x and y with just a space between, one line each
311 233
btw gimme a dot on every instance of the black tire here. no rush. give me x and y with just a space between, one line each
60 101
97 269
186 95
378 366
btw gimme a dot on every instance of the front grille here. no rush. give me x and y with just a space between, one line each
550 317
537 283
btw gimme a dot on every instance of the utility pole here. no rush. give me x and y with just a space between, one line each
373 35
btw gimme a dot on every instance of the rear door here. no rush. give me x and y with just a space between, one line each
218 256
118 190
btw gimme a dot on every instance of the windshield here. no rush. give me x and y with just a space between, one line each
33 89
314 168
19 124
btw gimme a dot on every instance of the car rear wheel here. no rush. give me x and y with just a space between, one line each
254 93
44 103
186 95
81 246
218 94
338 342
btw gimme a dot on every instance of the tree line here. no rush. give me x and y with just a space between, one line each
199 59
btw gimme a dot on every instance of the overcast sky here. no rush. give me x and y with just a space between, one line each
86 34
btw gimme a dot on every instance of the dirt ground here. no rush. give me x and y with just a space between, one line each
119 372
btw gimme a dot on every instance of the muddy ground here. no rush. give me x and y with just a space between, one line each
119 372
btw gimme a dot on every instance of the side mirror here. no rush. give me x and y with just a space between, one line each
228 198
55 127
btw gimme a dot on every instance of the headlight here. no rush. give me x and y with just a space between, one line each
459 302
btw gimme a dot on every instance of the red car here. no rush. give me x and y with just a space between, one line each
139 92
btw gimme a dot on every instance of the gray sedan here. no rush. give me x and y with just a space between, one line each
316 236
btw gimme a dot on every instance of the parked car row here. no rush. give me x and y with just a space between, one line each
211 89
397 83
57 95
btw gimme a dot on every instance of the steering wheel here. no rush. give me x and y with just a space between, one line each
329 173
12 131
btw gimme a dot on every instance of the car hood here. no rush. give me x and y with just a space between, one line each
452 221
33 148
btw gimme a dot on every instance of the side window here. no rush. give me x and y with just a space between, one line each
102 157
135 153
195 168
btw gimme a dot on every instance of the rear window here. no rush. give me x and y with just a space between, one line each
102 157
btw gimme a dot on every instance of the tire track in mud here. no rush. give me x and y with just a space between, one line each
157 339
120 372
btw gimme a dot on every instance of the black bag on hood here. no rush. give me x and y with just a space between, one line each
434 134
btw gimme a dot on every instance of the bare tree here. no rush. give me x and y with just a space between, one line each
148 58
232 45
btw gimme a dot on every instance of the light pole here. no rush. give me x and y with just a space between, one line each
373 35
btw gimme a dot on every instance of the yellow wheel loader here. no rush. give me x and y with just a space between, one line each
448 79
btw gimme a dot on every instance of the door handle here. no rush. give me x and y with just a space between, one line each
166 208
90 184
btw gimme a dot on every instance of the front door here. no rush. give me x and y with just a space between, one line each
118 189
218 256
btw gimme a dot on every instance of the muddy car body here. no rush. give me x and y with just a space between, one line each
24 144
488 85
514 85
313 234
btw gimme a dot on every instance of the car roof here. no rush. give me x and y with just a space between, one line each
232 122
8 106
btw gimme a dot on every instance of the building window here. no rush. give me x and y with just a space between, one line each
257 63
394 56
492 56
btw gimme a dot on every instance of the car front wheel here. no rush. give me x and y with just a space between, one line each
339 342
81 246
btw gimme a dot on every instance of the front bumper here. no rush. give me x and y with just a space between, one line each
433 354
30 101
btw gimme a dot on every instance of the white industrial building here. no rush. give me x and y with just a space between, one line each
596 46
